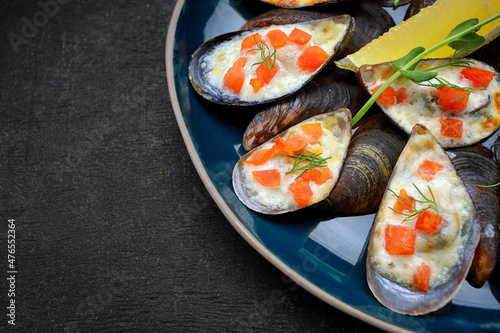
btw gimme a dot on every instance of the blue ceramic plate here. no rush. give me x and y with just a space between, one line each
324 256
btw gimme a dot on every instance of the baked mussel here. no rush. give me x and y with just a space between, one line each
297 168
256 66
425 232
463 112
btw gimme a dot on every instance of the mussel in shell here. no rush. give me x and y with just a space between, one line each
256 66
425 231
308 3
296 169
370 20
332 89
478 171
374 149
455 117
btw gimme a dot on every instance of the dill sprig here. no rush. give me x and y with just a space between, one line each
312 161
270 59
414 212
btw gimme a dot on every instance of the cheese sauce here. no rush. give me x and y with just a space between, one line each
441 250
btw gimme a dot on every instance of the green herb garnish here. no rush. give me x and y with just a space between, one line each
462 38
312 160
414 212
427 75
396 3
489 185
270 59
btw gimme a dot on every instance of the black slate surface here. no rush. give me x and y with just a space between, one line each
114 230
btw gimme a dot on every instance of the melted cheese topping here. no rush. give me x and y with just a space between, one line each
480 119
441 250
325 34
280 198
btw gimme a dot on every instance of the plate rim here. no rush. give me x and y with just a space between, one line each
226 211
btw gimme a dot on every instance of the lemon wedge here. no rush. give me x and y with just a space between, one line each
427 28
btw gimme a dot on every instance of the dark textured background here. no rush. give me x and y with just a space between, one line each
114 228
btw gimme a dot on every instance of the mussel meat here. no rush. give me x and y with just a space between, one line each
453 116
296 169
478 171
256 66
425 231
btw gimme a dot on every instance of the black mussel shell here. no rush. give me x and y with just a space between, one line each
416 6
374 150
332 89
477 169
